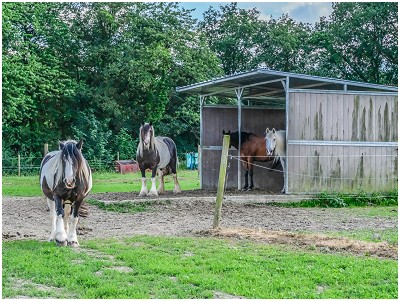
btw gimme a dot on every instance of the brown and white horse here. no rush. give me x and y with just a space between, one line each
252 149
275 145
159 154
65 179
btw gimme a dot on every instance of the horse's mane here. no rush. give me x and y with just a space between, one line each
55 166
139 151
244 136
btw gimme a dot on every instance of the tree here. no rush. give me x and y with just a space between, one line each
284 45
96 71
36 86
359 42
230 32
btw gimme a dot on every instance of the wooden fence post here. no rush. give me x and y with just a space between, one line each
46 149
221 181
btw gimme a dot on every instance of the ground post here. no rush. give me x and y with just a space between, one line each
221 181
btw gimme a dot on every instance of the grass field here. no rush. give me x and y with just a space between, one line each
171 267
102 182
159 267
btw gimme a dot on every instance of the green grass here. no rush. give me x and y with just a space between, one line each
155 267
124 207
340 200
102 182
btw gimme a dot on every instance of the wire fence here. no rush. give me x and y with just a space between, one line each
30 165
306 175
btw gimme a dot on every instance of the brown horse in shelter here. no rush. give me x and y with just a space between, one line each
252 149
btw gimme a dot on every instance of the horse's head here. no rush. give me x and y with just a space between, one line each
270 141
230 134
147 135
71 161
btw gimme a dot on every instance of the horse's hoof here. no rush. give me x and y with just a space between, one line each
73 244
152 193
249 189
61 243
143 193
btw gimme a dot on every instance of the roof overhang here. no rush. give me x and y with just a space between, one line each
265 83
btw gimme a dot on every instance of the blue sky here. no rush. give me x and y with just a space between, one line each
308 12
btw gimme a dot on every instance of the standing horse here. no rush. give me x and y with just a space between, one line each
275 144
65 179
252 149
158 154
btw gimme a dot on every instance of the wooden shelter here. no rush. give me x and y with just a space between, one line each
341 135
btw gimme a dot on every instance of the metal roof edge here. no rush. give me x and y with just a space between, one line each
329 79
286 74
217 80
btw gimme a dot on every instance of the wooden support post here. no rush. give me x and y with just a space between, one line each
117 156
46 149
19 165
221 181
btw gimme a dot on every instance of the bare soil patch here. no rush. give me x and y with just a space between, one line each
191 214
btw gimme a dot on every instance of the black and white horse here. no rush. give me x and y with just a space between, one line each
159 154
65 179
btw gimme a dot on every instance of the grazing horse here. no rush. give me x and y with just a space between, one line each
252 149
275 144
158 154
65 179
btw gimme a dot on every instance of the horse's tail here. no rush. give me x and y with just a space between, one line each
83 210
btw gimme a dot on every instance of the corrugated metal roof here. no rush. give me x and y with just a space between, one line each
266 83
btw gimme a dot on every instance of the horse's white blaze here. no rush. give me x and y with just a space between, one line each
53 217
69 173
61 235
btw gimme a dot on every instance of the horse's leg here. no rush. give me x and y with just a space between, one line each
53 218
283 163
161 189
67 212
73 219
143 191
246 174
61 235
177 187
251 186
153 190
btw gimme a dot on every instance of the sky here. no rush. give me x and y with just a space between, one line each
306 12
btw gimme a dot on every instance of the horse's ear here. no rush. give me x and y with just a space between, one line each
267 131
61 145
141 124
229 132
150 123
80 144
273 130
223 132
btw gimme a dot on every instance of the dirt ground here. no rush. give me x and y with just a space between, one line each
191 214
